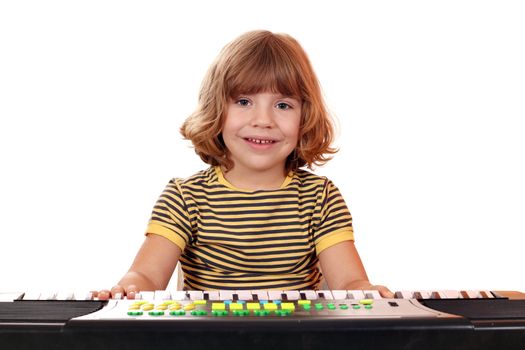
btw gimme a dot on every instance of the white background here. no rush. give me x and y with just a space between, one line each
429 97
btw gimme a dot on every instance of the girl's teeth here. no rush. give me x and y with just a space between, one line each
260 141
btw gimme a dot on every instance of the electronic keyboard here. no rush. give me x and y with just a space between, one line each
262 318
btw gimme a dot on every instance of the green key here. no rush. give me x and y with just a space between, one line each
282 312
343 306
135 313
156 313
219 312
330 306
241 313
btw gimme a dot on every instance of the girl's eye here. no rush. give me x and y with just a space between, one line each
283 105
243 102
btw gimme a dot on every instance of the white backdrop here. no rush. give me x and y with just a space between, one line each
429 97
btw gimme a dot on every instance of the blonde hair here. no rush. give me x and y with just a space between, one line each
261 61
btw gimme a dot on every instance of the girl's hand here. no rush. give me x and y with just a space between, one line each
119 292
384 291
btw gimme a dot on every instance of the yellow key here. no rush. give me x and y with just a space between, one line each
218 306
189 307
175 306
270 306
253 306
161 307
199 302
287 306
148 307
236 306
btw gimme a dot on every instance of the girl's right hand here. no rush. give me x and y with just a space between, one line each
119 292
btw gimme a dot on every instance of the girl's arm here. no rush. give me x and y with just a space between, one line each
151 269
343 270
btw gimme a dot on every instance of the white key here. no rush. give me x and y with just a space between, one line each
196 295
82 295
226 294
372 294
244 294
292 294
10 296
450 294
275 294
145 295
309 294
261 294
162 295
48 295
356 294
340 294
117 296
178 295
326 293
31 295
65 296
213 295
473 294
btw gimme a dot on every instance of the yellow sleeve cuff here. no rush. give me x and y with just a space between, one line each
333 238
166 233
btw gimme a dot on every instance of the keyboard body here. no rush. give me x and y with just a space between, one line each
263 319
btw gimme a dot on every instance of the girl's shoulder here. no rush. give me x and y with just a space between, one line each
305 177
201 178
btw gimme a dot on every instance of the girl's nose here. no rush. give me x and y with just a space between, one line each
263 117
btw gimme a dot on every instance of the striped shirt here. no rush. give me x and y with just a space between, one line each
237 239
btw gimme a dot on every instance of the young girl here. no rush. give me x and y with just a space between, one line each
254 219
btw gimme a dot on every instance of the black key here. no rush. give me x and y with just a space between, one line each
435 295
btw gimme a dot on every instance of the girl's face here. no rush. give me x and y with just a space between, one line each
261 130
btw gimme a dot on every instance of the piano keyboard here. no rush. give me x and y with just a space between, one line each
257 295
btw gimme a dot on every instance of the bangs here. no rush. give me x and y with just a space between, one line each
267 67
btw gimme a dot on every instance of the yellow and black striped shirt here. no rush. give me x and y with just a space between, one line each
237 239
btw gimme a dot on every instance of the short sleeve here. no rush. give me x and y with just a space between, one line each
170 217
335 221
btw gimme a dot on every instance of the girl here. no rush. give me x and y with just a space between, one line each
254 219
